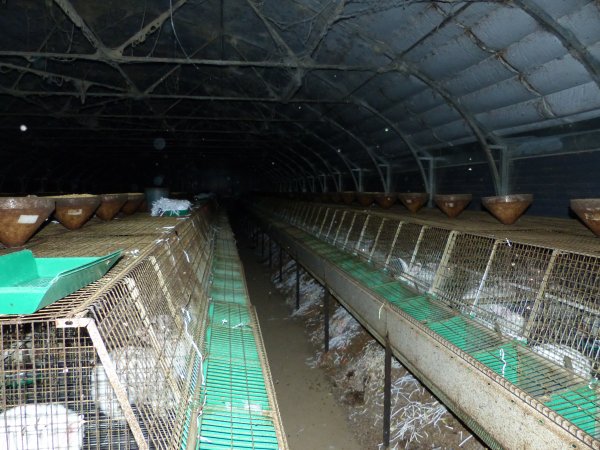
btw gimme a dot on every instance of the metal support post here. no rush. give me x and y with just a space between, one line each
270 253
297 285
326 319
387 393
280 263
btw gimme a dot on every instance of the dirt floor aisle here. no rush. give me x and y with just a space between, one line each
311 416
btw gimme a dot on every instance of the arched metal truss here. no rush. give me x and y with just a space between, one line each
48 85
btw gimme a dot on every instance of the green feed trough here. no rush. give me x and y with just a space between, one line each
28 284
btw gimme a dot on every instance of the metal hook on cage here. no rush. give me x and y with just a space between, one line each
503 360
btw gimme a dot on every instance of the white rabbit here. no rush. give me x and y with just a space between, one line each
140 373
508 322
565 356
46 426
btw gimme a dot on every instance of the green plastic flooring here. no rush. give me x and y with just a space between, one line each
236 410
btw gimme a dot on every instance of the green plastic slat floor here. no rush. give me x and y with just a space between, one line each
236 411
574 398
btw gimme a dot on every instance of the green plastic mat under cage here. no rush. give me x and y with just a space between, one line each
236 410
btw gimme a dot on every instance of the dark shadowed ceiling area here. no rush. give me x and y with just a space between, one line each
299 94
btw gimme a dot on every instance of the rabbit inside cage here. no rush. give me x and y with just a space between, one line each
44 370
56 393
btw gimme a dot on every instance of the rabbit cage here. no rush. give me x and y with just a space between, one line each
114 365
523 301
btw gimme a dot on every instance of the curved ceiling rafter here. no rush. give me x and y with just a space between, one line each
253 125
280 42
272 92
414 150
566 37
377 161
480 132
284 156
345 160
288 165
331 171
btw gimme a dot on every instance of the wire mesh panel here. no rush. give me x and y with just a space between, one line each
313 224
43 400
341 233
565 323
404 244
332 224
460 280
369 238
384 241
509 290
303 215
355 232
148 332
427 257
321 220
295 212
285 210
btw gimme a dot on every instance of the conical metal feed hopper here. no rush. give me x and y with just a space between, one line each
134 200
453 204
413 201
507 208
324 197
73 211
348 197
386 200
365 198
110 205
20 218
336 197
588 210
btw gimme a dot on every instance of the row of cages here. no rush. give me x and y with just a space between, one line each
120 370
547 299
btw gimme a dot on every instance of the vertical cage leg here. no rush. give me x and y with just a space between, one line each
326 302
270 252
387 393
262 244
280 263
297 285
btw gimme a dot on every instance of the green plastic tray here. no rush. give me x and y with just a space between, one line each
28 284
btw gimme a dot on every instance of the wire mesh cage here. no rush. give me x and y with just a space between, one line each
460 280
313 224
369 236
384 242
115 370
565 317
427 257
331 224
355 232
343 228
294 212
303 214
403 245
527 310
